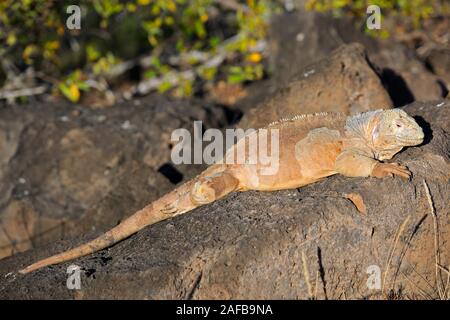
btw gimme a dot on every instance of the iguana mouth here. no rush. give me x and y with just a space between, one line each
411 141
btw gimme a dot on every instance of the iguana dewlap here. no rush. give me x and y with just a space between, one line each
311 147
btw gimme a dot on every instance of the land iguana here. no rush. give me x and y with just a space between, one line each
311 147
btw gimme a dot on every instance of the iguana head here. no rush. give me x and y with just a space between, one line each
392 130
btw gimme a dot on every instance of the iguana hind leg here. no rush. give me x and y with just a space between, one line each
213 187
204 189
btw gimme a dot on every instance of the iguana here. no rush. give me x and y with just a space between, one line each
311 147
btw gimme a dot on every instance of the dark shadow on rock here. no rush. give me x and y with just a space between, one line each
429 66
322 271
396 87
171 173
443 88
426 130
232 115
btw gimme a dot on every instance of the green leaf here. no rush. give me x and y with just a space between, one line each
164 86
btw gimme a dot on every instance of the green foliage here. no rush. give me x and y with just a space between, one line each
70 86
415 11
113 31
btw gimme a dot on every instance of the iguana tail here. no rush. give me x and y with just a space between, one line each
206 188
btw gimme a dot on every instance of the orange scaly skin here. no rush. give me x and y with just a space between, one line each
311 147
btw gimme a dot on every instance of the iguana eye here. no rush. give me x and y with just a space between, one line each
399 125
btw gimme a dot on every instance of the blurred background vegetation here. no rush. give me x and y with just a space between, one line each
138 46
410 12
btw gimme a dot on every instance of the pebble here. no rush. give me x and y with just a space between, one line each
308 73
126 125
101 118
300 37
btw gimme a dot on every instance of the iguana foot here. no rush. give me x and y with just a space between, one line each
382 170
170 209
203 192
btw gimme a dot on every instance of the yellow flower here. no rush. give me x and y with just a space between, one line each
171 6
52 45
169 21
254 57
143 2
131 7
152 40
11 40
204 18
74 93
28 52
60 30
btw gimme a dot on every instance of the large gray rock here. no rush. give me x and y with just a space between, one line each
301 38
297 40
277 244
406 77
343 82
58 162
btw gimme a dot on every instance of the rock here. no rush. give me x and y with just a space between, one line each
301 38
297 40
406 77
439 60
9 141
259 245
344 82
58 164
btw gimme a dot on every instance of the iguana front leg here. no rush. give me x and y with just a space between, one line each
382 170
351 163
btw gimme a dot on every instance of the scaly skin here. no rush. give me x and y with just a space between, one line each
311 147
